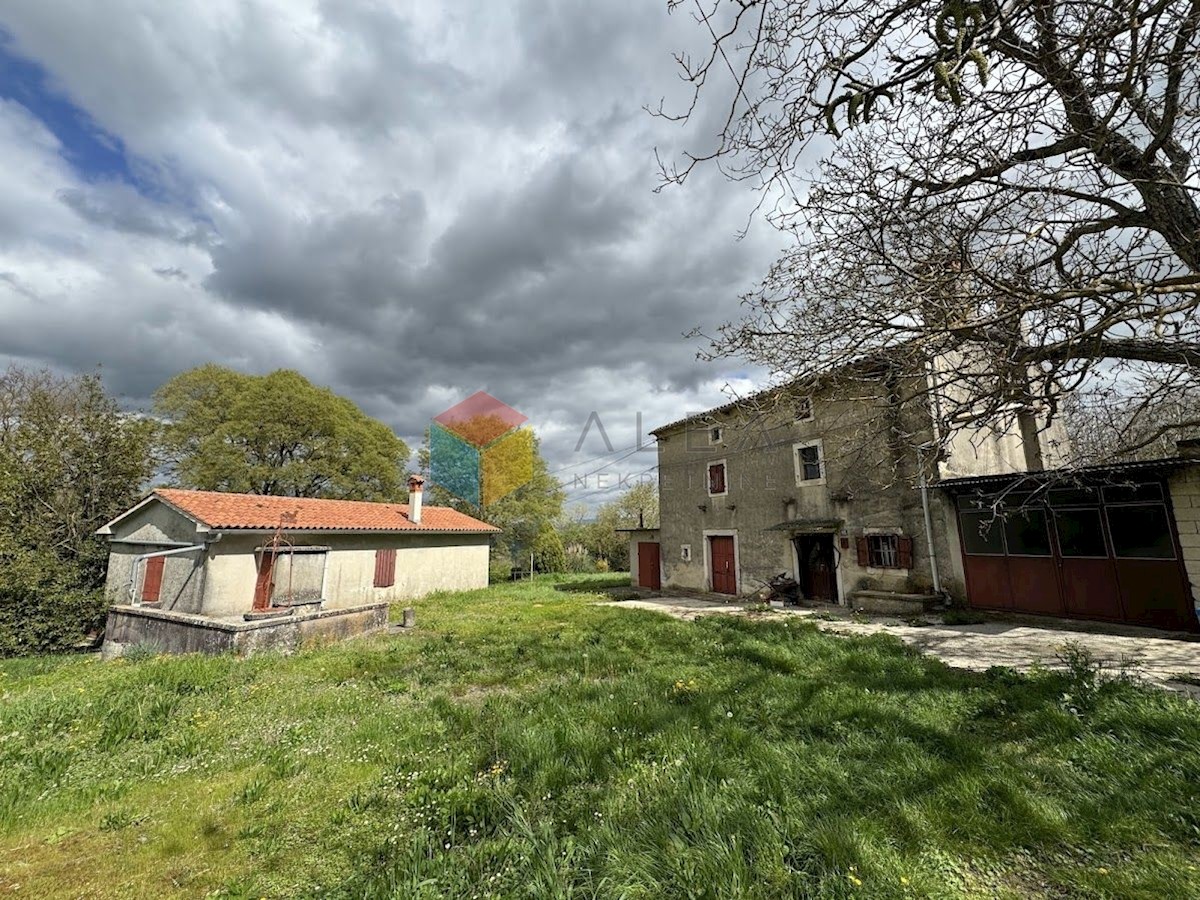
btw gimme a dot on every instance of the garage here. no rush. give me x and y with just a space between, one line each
1101 543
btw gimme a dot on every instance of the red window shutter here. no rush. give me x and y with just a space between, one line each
385 568
905 551
864 556
152 580
716 479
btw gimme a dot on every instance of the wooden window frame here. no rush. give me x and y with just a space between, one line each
708 479
896 555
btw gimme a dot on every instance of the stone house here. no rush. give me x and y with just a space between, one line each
208 570
827 483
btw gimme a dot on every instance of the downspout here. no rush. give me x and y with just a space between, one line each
936 424
933 564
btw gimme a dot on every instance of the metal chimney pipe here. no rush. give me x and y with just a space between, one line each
416 487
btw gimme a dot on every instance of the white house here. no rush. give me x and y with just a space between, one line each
205 570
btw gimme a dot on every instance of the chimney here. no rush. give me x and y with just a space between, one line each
416 487
1188 448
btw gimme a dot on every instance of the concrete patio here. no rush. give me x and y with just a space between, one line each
1159 661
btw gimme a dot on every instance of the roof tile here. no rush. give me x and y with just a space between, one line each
218 509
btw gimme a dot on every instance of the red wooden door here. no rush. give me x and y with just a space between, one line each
648 565
152 580
265 583
724 570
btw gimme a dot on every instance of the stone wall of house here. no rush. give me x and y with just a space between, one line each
869 485
1185 499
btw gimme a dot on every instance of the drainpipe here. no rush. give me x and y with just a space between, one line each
141 558
933 564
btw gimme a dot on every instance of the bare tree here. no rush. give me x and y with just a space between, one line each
1003 191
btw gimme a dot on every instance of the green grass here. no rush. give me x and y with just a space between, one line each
529 743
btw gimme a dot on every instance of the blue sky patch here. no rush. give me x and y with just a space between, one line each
93 152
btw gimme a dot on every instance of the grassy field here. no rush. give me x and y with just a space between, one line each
529 743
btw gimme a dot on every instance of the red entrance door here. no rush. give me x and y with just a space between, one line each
264 585
648 565
724 571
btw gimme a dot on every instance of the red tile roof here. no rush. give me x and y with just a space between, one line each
220 510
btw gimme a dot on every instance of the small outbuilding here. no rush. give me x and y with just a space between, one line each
212 571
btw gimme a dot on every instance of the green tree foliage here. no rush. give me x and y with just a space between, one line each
599 538
522 514
548 552
275 434
70 460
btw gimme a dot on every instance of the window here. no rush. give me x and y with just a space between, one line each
810 468
1080 533
885 551
716 434
716 479
385 568
982 533
152 580
804 409
1026 534
1141 531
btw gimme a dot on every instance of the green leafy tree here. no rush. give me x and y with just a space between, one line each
548 552
275 434
635 508
70 460
998 198
522 514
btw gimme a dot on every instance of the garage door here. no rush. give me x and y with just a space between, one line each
1107 552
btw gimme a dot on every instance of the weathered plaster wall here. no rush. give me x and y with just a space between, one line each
152 528
182 582
1185 498
976 450
868 486
424 563
156 523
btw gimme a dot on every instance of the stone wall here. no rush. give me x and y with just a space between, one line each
869 485
169 632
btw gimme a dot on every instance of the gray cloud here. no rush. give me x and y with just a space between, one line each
407 205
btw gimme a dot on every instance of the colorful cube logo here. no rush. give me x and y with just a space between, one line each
478 450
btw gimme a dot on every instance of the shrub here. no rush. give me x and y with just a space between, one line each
43 608
548 553
602 565
578 560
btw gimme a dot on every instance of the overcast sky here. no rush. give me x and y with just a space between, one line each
405 202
